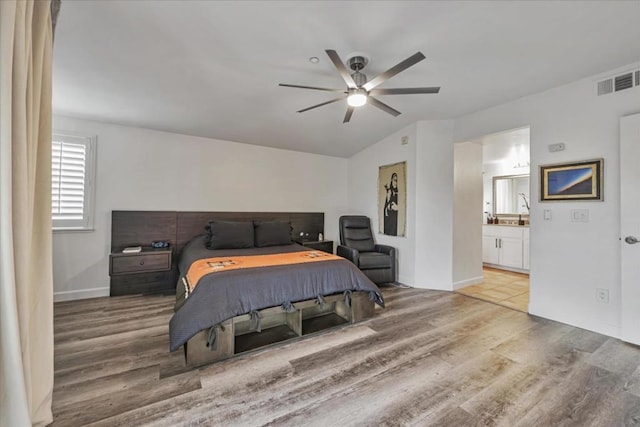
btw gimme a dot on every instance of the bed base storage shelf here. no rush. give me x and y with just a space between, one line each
237 335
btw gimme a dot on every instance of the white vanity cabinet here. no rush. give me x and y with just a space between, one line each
504 246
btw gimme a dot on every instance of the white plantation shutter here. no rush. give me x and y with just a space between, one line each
72 164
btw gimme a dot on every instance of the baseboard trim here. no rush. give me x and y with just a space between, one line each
80 294
467 282
599 328
405 280
502 267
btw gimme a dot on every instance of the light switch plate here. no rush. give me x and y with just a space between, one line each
579 215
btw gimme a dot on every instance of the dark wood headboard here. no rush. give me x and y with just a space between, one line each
140 228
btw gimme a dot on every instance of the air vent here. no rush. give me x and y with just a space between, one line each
605 87
617 83
624 81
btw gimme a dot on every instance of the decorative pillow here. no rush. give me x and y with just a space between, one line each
229 235
272 233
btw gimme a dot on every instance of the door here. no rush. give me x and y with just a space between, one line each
490 251
630 227
510 252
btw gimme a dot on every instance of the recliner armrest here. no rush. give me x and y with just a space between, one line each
391 251
385 249
351 254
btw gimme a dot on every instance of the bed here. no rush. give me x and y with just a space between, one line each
230 300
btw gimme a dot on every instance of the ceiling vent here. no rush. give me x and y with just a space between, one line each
618 83
605 87
624 81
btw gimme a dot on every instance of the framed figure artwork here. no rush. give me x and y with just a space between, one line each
392 199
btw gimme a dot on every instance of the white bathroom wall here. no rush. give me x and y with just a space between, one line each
504 153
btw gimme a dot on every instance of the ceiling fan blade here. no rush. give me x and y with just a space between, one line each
312 87
344 73
348 114
381 78
320 105
384 107
404 91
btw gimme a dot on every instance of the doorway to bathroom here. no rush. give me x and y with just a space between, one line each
505 164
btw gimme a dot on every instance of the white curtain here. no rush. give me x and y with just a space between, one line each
26 284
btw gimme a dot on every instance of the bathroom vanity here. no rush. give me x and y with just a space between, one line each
506 247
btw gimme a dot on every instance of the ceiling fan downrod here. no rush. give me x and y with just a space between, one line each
357 63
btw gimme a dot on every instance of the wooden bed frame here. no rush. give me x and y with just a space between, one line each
233 337
236 337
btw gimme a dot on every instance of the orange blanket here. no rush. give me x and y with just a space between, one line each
205 266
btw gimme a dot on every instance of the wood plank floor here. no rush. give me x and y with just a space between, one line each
429 358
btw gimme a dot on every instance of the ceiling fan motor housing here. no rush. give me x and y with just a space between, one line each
357 63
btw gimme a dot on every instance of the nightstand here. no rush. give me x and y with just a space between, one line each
321 245
148 261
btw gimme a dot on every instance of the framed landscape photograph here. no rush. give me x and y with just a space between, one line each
572 181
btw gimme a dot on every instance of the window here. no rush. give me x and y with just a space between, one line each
72 168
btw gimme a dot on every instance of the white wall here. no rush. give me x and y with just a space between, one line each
467 214
570 260
141 169
363 192
434 205
425 253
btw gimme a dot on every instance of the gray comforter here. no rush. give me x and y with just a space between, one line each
223 295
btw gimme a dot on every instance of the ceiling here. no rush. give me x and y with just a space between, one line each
212 68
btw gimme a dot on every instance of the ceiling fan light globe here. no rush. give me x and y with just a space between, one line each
357 99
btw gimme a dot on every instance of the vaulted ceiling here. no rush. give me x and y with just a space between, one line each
212 68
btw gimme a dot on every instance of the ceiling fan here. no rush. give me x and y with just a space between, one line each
360 91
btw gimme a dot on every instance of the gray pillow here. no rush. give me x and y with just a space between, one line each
272 233
229 235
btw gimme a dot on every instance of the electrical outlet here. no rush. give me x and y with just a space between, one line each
602 295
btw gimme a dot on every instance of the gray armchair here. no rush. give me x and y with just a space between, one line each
377 262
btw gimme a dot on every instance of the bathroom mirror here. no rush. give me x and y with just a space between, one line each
507 195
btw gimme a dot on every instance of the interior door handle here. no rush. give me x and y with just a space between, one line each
632 240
